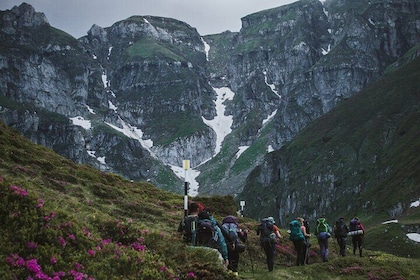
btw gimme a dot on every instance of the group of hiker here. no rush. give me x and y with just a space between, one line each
299 235
200 228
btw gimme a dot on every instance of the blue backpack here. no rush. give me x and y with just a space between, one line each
232 232
296 233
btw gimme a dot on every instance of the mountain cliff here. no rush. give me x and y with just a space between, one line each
352 160
140 96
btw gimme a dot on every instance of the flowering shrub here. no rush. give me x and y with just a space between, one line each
45 245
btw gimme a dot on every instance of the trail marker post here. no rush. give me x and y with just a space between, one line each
242 204
186 166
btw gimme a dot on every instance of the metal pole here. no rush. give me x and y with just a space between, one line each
186 165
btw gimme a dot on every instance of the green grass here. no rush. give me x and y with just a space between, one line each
147 48
133 221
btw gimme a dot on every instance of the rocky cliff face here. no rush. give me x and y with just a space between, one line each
292 64
134 98
359 158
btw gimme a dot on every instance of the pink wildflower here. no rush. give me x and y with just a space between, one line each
40 203
53 260
72 237
191 274
31 245
91 252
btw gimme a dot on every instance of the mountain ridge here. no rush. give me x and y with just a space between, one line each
156 78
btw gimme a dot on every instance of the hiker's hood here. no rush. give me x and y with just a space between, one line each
230 220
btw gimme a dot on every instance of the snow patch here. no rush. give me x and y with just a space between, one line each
415 203
80 121
100 159
389 222
414 236
272 86
324 52
269 117
241 150
221 124
112 106
104 80
90 110
206 48
188 176
134 133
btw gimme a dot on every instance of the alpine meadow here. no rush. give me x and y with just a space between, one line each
311 110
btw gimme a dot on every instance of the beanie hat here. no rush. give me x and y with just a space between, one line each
204 215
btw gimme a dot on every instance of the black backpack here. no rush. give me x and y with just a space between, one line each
206 234
266 231
190 227
340 228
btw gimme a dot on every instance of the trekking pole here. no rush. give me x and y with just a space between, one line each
250 258
306 251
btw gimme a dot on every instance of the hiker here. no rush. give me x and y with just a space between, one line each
357 232
323 233
340 233
216 240
188 225
298 236
230 225
268 238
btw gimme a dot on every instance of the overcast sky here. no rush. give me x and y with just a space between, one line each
76 17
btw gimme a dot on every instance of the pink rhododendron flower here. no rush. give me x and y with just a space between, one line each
59 274
33 266
78 266
18 190
15 260
106 241
86 232
31 245
62 241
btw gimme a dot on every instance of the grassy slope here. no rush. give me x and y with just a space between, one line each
121 217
